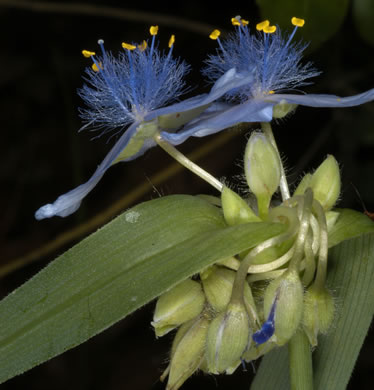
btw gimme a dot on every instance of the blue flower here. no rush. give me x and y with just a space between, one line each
274 61
129 93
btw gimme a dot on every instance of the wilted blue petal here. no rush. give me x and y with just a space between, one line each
215 121
267 329
68 203
316 100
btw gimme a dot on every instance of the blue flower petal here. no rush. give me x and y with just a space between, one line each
215 121
316 100
68 203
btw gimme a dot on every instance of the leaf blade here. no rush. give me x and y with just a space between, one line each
90 287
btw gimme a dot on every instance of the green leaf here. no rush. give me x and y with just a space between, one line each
363 16
116 270
350 224
351 275
322 18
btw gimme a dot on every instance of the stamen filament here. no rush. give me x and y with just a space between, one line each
103 73
153 31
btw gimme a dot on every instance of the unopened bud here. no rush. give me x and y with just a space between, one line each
235 210
262 170
282 109
228 337
178 305
318 313
187 351
287 293
326 183
217 283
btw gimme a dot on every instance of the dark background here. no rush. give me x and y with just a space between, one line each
43 156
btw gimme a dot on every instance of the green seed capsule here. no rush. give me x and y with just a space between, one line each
178 305
288 292
229 335
318 314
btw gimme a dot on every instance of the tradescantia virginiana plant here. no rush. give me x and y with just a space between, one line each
236 281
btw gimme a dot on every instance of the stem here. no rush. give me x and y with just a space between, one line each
182 159
300 362
266 128
305 204
319 281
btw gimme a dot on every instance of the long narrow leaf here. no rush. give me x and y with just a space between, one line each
113 272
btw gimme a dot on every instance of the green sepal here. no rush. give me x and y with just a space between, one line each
144 132
349 224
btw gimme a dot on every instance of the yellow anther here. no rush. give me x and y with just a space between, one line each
153 30
96 68
143 46
215 34
235 22
262 25
171 41
271 92
245 22
128 46
270 29
88 53
297 22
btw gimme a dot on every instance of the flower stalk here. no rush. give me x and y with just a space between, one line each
187 163
300 362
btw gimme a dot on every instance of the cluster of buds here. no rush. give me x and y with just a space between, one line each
220 323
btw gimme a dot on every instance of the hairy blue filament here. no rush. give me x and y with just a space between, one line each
126 89
272 58
264 71
105 77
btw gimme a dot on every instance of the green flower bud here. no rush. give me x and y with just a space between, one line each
326 183
262 170
228 337
282 109
217 283
318 313
303 185
178 305
235 210
187 352
287 291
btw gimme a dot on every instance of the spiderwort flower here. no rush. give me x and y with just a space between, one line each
275 62
130 92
